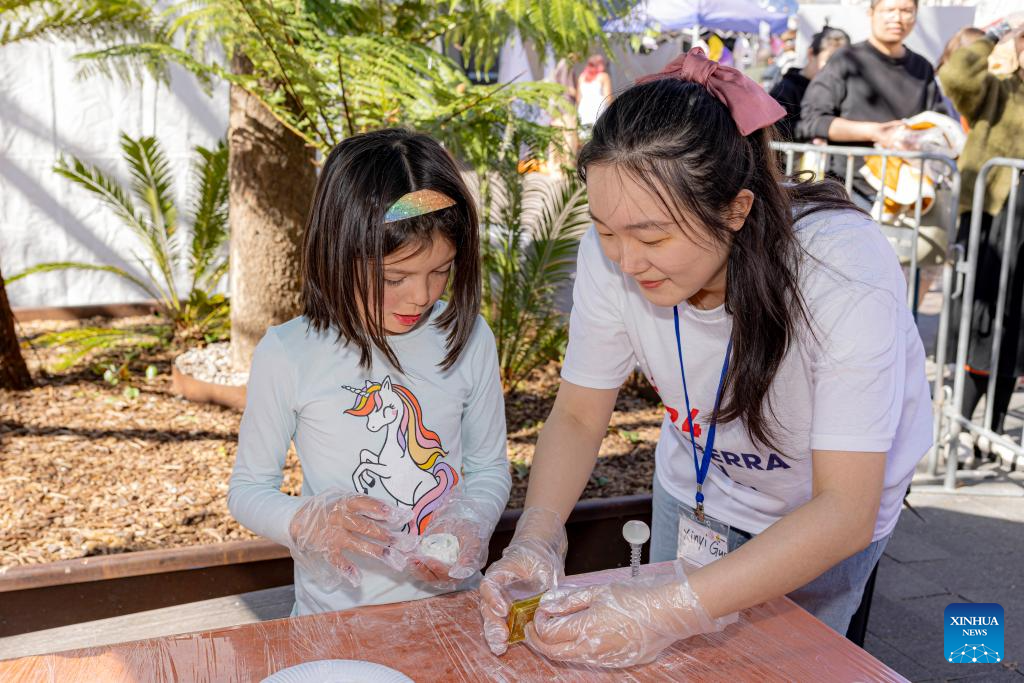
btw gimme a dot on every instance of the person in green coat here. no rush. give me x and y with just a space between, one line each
994 111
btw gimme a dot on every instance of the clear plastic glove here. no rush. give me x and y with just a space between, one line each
620 624
887 135
998 29
334 524
471 523
535 559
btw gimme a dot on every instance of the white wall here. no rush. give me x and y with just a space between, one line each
46 111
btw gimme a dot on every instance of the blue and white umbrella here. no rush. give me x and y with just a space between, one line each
744 16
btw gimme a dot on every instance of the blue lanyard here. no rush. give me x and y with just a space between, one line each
701 467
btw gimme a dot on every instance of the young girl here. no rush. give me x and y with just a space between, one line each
771 317
391 396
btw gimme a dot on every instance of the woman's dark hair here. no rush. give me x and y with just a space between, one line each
829 37
347 239
681 142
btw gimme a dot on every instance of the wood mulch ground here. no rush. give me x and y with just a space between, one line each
90 468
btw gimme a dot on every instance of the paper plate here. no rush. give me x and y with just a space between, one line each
338 671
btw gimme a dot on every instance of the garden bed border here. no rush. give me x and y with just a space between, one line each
35 597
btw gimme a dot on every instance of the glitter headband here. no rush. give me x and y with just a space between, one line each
416 204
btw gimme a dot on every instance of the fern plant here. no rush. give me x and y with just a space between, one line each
93 20
147 209
328 69
528 256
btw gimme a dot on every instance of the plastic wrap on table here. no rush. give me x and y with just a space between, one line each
441 639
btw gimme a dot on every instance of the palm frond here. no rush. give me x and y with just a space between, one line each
528 258
199 315
563 218
76 265
151 182
212 279
107 189
81 341
547 263
167 299
209 216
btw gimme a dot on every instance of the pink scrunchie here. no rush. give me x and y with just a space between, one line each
750 106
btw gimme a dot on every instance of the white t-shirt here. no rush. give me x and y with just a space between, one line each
306 388
860 387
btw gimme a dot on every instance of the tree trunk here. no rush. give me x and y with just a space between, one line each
13 371
272 178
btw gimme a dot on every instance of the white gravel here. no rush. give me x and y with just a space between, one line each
211 364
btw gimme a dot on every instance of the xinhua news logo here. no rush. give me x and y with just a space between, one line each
974 633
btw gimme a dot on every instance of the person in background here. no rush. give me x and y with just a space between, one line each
593 92
564 117
994 110
962 38
866 89
787 58
789 91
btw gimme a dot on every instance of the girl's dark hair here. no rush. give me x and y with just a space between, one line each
681 142
346 238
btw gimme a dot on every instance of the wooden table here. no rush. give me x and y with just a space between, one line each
440 639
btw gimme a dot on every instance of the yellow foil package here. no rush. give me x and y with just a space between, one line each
520 615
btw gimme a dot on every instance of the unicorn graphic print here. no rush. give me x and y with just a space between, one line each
409 466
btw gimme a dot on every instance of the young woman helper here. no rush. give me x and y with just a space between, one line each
771 318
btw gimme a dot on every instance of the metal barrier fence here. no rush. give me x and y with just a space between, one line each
959 276
905 239
948 405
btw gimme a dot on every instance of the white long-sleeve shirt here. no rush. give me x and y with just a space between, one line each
405 438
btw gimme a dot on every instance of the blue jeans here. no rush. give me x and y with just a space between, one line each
833 597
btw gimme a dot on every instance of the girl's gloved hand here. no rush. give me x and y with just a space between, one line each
334 525
535 559
467 520
620 624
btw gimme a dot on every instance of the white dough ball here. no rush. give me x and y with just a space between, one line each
442 547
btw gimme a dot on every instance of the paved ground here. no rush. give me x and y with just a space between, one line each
966 546
962 547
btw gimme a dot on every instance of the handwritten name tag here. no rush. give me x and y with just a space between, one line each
701 544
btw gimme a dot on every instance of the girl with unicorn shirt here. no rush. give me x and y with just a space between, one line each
390 396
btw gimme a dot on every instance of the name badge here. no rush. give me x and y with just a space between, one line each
701 543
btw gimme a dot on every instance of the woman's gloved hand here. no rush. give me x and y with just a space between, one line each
535 559
471 523
334 525
620 624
